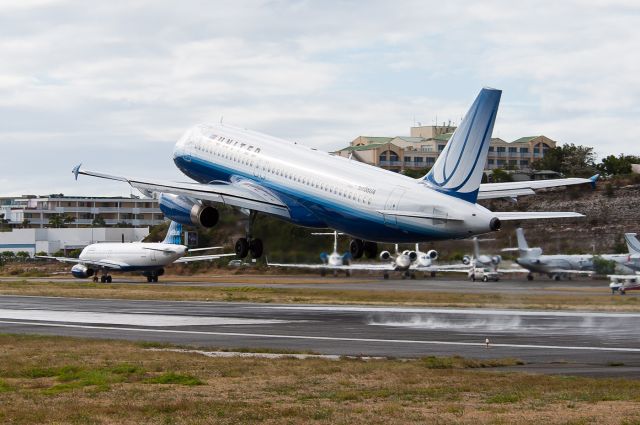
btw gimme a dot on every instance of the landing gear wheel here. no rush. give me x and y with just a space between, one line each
323 272
385 276
109 279
529 277
356 248
485 279
149 279
412 276
154 279
622 292
370 250
556 277
103 279
242 248
348 273
433 274
255 247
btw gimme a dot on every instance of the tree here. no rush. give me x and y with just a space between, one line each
603 267
568 159
617 165
25 223
68 219
98 222
23 255
56 221
7 255
3 221
500 176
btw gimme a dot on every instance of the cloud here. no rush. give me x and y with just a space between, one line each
115 85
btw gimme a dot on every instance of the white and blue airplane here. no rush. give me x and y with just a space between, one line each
261 174
148 258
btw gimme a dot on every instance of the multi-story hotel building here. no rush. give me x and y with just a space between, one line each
422 147
36 211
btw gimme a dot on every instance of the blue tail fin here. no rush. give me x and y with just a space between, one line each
458 169
174 234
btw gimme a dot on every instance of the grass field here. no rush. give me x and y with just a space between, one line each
69 380
258 292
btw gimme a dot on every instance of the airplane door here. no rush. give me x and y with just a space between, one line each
393 201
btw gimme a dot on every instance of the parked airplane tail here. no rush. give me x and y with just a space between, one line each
522 242
174 234
632 243
458 169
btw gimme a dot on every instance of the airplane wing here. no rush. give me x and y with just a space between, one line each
534 215
109 264
363 267
514 189
193 258
252 197
558 271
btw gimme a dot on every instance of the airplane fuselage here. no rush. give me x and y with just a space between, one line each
326 191
551 263
143 256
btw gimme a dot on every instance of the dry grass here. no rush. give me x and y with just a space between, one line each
258 292
67 380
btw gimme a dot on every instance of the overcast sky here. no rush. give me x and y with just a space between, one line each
115 84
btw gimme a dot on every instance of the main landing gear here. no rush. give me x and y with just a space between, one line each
358 247
105 278
249 245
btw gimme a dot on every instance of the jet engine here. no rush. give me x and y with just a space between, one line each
187 211
466 260
346 259
413 256
81 271
385 255
496 259
324 257
433 254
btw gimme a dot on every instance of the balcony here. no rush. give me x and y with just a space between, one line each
391 163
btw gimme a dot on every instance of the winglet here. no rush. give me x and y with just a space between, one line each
593 179
76 170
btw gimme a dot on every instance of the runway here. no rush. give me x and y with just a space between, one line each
598 344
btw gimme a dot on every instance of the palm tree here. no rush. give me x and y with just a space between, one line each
68 219
56 221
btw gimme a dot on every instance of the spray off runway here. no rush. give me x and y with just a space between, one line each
599 344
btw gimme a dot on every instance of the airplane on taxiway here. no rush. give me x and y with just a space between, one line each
261 174
149 258
561 266
406 262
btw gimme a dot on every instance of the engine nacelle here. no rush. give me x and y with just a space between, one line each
385 255
413 256
433 254
496 259
324 257
346 259
81 271
187 211
466 260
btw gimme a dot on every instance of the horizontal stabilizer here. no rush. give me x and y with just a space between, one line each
535 215
527 187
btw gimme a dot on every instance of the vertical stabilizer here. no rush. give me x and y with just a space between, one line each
632 243
458 169
174 234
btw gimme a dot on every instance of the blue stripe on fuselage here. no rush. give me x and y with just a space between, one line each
340 216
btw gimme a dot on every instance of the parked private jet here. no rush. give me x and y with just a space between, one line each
149 258
484 261
258 173
561 266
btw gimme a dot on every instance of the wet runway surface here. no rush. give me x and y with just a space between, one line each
585 343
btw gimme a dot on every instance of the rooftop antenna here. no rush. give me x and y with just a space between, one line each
221 119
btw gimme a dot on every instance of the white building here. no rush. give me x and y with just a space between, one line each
53 240
36 211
